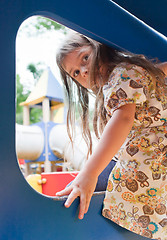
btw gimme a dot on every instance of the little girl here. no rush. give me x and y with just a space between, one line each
131 121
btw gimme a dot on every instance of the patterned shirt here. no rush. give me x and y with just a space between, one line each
136 195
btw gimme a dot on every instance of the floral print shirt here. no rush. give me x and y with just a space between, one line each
136 195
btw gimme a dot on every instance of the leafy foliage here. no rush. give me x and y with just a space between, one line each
35 26
35 113
36 70
44 24
20 97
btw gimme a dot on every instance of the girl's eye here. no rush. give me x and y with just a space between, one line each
76 73
85 59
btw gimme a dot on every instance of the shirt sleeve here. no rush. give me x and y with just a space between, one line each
126 85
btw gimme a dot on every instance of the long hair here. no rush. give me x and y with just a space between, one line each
101 54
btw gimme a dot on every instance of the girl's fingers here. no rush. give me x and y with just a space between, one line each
82 206
87 202
73 195
64 192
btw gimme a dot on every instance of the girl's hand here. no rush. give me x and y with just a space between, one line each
83 186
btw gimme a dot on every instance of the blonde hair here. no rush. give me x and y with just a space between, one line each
104 54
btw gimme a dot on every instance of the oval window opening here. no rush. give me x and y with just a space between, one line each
45 154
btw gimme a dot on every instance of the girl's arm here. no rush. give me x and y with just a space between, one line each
114 135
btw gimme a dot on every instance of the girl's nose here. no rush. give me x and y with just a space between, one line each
84 72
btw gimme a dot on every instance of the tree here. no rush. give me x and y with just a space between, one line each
37 25
36 70
20 97
44 24
35 113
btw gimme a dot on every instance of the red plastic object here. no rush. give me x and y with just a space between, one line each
21 161
56 181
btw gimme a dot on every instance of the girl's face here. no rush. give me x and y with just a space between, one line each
77 65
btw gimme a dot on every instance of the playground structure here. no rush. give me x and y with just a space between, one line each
32 141
31 146
26 214
46 156
45 146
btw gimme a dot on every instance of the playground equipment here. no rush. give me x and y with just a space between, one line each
47 141
24 213
32 142
30 145
29 142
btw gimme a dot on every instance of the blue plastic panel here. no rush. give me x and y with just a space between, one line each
25 214
152 12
